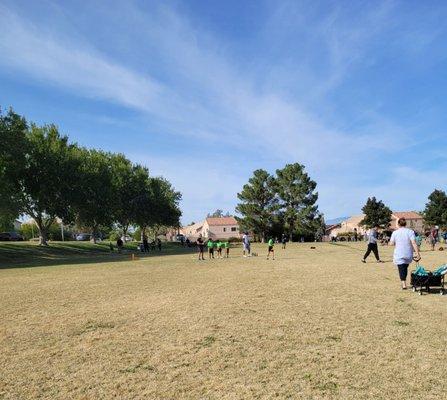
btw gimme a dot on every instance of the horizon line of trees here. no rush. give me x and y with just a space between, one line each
45 176
281 204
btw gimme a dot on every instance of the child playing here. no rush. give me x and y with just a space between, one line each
210 245
227 249
219 248
271 243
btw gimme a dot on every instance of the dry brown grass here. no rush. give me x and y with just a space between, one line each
314 324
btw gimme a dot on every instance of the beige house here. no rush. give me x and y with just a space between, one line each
414 221
213 227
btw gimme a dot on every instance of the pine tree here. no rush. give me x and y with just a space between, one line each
435 212
297 198
376 213
258 203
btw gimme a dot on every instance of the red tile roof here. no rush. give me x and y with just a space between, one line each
407 215
219 221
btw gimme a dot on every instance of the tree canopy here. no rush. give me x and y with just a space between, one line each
435 212
46 177
278 204
376 214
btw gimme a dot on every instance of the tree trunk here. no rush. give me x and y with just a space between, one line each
143 233
43 235
93 239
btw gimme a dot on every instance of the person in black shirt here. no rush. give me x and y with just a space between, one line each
200 246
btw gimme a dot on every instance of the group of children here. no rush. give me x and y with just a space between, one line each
219 245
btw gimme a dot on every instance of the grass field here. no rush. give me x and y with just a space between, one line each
313 324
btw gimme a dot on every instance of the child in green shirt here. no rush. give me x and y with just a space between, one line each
219 249
227 249
271 243
210 245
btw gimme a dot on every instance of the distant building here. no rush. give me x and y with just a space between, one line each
212 227
415 221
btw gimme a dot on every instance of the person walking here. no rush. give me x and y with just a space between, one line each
405 247
145 244
372 244
200 246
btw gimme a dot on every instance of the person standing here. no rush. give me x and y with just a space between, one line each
405 246
219 248
372 244
210 245
227 249
271 243
246 244
284 241
159 244
200 246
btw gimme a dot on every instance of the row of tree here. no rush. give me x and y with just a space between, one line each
435 212
45 176
284 203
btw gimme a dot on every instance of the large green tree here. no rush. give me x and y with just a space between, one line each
13 150
435 212
95 202
258 204
297 198
376 213
47 180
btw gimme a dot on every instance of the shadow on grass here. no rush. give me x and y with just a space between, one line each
28 255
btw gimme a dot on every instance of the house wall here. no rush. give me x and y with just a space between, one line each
416 224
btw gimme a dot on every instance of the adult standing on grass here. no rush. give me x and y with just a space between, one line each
372 244
246 244
405 242
200 246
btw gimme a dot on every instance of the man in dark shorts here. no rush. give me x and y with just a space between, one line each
200 246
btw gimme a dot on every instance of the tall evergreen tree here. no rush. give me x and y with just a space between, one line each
258 203
297 198
435 212
376 213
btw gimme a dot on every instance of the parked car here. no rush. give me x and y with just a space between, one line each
83 237
10 237
180 238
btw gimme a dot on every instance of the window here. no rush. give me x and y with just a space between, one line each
224 229
233 229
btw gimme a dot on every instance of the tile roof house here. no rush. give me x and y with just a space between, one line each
414 221
213 227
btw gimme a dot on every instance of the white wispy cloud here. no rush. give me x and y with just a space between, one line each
204 93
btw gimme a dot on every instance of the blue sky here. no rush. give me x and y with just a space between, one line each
205 92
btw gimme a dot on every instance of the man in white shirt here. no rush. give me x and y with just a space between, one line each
405 246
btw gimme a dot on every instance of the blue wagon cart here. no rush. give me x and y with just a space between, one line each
423 280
